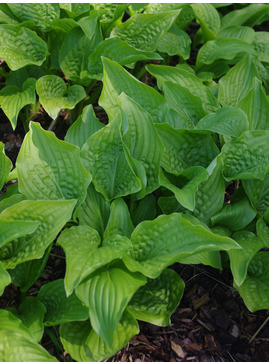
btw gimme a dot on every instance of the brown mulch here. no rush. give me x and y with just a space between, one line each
211 322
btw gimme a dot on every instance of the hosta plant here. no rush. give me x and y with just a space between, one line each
127 199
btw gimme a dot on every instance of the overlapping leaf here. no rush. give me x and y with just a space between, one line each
5 165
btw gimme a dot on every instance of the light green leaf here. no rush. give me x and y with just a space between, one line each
117 80
258 193
4 279
14 98
119 220
104 156
209 197
119 51
51 216
75 9
79 244
31 312
106 293
249 15
60 309
41 13
109 12
73 56
187 80
162 7
83 344
5 165
143 31
185 148
20 46
208 18
14 331
263 232
157 300
94 211
213 259
243 33
49 168
85 125
222 48
240 258
54 96
256 106
231 121
246 157
188 106
185 185
169 238
261 45
24 275
143 140
235 215
145 210
12 229
235 85
83 254
255 288
175 42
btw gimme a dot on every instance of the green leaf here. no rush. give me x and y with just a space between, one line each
213 259
231 121
143 140
243 33
258 193
42 14
106 293
145 210
175 42
12 229
255 288
188 106
54 96
235 85
51 217
119 51
143 31
249 15
83 344
247 156
185 148
222 48
117 80
10 201
185 17
75 9
74 54
240 259
187 80
14 331
14 98
11 190
4 279
261 45
20 46
209 197
208 18
31 312
235 215
5 165
109 12
157 300
105 157
169 238
94 211
24 275
256 106
85 125
185 185
119 220
49 168
83 254
60 309
263 232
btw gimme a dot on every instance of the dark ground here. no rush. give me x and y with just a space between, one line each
211 322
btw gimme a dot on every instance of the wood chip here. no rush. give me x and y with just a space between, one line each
201 301
178 350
